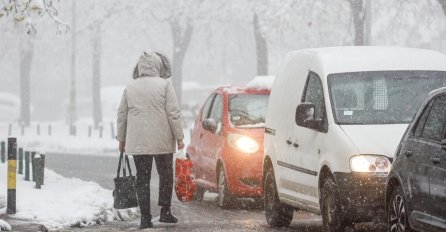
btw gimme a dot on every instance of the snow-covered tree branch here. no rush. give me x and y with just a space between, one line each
26 10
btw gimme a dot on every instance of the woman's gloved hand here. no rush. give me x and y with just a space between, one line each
122 147
180 144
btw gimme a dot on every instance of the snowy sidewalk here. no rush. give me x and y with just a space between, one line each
62 202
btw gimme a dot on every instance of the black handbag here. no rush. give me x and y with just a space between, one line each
125 191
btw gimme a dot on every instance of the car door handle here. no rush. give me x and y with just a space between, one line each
296 145
408 153
289 142
436 160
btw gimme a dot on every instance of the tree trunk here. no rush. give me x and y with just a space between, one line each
181 40
72 114
26 57
358 12
97 108
443 5
261 48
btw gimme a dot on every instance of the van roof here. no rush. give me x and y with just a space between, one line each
375 58
437 91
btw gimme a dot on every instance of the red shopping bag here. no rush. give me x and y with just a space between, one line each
184 182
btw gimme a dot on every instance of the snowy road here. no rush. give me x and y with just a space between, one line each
195 216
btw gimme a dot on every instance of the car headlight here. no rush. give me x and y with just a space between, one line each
370 163
243 143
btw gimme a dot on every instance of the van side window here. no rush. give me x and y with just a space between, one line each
206 107
435 122
314 93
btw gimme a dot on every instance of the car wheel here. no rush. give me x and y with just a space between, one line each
277 214
397 212
224 199
332 218
199 194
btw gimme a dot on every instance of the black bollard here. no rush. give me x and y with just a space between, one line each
43 169
101 130
38 162
27 159
33 165
112 128
20 161
3 151
12 169
10 129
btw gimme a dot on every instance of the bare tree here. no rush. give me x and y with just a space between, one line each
358 12
72 114
182 18
261 47
23 12
443 5
96 75
102 15
181 36
26 57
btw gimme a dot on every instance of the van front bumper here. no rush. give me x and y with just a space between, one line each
362 195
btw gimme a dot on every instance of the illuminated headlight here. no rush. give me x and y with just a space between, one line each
243 143
370 163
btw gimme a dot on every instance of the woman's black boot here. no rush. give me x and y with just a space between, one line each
146 222
166 216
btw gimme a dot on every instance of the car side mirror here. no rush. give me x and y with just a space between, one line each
210 124
305 117
443 144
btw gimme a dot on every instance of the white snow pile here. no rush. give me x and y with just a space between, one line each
4 226
261 82
70 145
61 142
63 202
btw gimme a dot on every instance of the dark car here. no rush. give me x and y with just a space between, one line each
416 185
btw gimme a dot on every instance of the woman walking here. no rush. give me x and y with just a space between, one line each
149 127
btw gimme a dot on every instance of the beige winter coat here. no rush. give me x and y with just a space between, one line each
149 115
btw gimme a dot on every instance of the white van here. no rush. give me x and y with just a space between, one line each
334 120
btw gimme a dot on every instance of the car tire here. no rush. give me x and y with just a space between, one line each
277 214
199 194
397 212
224 198
332 215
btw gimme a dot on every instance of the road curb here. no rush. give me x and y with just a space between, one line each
23 225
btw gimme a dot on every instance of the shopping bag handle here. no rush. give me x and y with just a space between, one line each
127 162
181 155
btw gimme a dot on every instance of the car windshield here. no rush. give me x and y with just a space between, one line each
248 110
381 97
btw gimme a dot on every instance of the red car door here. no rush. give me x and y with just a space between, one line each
195 149
212 143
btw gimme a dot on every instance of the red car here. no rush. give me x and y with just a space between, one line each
227 144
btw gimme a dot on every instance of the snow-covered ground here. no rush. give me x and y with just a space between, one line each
4 226
62 202
61 142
